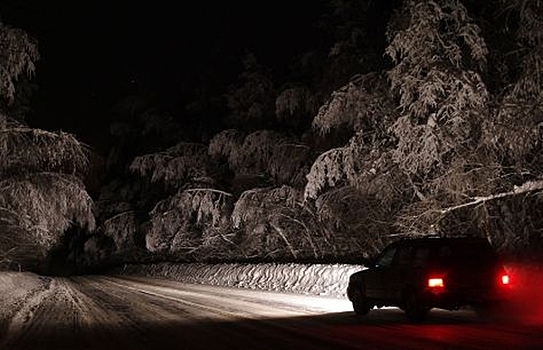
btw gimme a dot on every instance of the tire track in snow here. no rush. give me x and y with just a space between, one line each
19 312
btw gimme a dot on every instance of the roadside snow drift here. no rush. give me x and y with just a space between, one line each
314 279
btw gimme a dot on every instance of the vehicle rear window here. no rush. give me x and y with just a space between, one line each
420 257
412 256
386 257
466 254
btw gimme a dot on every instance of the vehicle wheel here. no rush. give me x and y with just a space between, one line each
361 304
361 308
414 306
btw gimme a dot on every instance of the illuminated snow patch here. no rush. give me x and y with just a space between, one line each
328 280
310 303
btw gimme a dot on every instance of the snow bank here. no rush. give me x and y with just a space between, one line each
316 279
15 289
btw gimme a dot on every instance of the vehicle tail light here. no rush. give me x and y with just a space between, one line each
504 279
436 282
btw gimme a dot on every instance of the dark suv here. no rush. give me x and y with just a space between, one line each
419 274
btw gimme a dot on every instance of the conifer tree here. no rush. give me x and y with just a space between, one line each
41 174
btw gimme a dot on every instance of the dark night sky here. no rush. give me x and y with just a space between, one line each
95 52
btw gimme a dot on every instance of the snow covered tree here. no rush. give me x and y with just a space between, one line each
422 144
427 164
438 54
272 157
517 133
18 54
193 218
443 99
361 171
471 157
138 126
201 217
41 189
295 106
271 224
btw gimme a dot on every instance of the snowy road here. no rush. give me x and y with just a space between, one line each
99 312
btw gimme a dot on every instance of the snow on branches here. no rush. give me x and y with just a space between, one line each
178 165
327 171
46 204
517 132
365 166
188 220
364 104
429 153
272 224
443 100
253 205
122 228
273 155
227 144
257 150
41 191
25 149
18 52
293 100
434 32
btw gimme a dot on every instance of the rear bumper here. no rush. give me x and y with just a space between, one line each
452 300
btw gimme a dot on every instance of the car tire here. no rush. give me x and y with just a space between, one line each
414 306
361 304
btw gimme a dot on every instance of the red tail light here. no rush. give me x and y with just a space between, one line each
436 282
504 279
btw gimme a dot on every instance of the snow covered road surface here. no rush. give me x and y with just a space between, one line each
105 312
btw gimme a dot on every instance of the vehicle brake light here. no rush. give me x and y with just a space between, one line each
505 279
436 283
